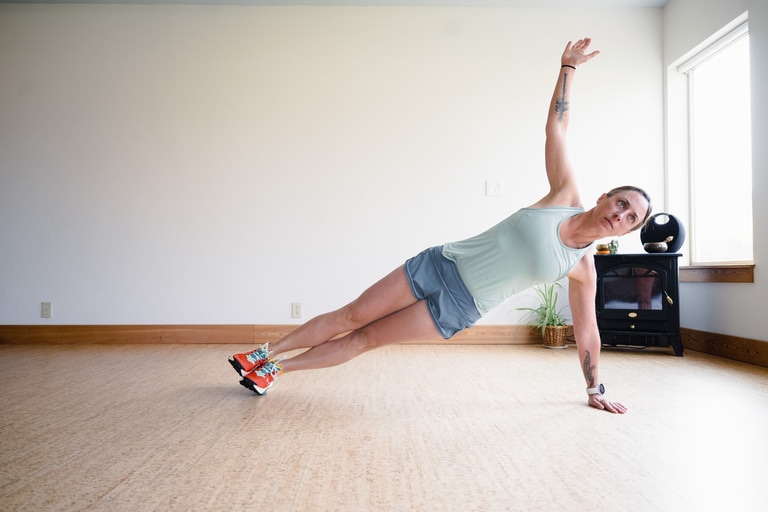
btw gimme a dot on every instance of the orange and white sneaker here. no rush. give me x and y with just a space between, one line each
261 380
248 362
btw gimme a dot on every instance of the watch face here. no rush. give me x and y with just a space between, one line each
601 388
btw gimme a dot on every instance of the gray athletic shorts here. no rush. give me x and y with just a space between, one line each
436 279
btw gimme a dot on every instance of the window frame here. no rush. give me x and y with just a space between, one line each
730 272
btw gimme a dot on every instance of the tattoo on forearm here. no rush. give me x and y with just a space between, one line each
561 105
588 369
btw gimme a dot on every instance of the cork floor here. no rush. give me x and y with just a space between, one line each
421 427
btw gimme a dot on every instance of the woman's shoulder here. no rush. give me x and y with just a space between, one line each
584 269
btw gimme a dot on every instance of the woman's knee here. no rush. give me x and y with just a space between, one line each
352 316
360 341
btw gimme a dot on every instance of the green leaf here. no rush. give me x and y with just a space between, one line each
546 313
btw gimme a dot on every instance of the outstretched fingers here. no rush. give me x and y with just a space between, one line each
602 403
576 53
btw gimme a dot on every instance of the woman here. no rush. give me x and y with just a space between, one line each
446 289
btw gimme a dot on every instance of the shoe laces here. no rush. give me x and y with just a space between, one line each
271 367
259 354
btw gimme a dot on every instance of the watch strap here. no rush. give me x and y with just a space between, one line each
599 390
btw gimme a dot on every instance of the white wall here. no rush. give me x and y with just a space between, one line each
190 164
732 309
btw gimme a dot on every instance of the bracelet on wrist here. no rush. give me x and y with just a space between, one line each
568 66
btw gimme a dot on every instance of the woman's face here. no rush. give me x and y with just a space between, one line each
622 212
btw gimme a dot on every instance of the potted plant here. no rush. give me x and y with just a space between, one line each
547 317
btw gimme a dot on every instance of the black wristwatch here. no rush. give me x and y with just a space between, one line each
599 390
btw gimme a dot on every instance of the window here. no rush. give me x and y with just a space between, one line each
719 151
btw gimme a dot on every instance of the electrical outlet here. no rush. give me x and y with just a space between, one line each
46 310
295 309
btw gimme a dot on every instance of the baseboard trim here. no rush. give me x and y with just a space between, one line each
220 334
745 350
124 334
730 347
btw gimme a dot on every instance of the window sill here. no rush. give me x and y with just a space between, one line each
718 274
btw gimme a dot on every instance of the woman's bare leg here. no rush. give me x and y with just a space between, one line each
385 313
413 323
390 294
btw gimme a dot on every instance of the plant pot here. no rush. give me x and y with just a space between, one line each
554 337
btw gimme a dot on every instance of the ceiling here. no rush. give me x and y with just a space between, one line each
409 3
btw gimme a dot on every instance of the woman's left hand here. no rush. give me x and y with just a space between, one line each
575 53
601 402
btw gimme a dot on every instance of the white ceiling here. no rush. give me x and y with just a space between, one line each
409 3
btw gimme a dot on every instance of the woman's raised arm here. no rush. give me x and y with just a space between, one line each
562 181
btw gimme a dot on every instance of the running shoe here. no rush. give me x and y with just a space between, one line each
248 362
262 379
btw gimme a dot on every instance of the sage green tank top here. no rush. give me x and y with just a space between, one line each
523 250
